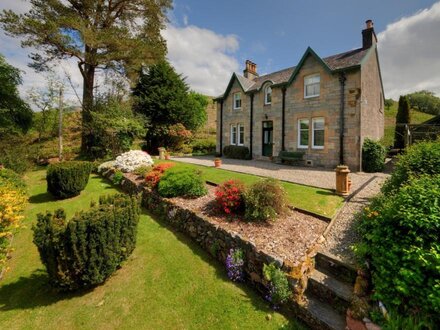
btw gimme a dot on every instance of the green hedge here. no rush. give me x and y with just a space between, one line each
400 237
236 152
203 146
86 250
68 179
182 182
421 158
373 156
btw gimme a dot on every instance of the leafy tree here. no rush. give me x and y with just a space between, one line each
389 103
101 34
402 117
15 114
114 126
425 101
163 97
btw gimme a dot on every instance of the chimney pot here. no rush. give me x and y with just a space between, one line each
369 23
250 71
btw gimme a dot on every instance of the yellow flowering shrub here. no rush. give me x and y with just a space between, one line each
12 203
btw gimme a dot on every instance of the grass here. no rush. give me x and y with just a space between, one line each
167 283
417 117
316 200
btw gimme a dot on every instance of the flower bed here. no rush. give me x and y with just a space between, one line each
131 160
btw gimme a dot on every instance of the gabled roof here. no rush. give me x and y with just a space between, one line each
343 61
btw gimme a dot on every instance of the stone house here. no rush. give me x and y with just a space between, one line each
325 107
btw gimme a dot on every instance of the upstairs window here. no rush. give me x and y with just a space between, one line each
268 95
318 133
233 134
303 133
237 101
311 85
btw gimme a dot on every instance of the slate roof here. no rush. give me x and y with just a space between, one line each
334 62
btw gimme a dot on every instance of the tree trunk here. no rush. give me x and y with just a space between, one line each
88 85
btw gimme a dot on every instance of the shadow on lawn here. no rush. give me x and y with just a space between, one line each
220 271
41 198
30 292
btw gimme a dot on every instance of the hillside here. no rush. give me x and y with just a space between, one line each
417 117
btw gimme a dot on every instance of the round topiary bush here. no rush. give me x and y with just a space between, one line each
264 200
373 156
87 249
68 179
182 182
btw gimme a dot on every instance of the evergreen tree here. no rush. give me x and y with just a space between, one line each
15 114
402 117
101 34
163 97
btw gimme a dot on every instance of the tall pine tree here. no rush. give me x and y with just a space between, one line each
403 117
122 35
163 98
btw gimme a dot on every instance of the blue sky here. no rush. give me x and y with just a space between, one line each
209 40
275 34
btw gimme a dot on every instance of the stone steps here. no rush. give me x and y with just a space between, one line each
330 265
329 293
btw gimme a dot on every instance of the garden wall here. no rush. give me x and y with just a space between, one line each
218 241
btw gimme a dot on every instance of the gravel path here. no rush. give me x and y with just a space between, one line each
316 177
342 234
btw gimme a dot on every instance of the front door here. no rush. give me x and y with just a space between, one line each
267 138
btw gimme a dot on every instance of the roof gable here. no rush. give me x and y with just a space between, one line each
308 52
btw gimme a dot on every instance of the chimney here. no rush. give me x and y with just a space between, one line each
368 35
251 70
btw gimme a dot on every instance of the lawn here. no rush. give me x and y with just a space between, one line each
167 283
417 117
316 200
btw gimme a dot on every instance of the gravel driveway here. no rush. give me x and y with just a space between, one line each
316 177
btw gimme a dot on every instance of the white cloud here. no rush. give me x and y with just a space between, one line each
409 51
185 20
203 56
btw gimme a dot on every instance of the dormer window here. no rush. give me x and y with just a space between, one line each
312 85
237 101
268 95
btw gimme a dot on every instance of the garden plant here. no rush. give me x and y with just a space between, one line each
68 179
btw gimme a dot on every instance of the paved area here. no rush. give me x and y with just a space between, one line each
342 235
317 177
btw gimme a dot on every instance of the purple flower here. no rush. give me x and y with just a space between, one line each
234 265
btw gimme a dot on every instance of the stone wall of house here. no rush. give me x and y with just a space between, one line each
372 111
326 105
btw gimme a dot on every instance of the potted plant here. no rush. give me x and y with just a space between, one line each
217 162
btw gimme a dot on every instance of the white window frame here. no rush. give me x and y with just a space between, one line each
239 141
314 120
306 78
232 140
237 99
266 94
299 133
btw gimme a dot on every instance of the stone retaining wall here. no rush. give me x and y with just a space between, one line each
218 241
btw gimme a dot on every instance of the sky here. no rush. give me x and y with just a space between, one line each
209 40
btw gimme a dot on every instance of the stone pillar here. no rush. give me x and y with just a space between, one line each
342 181
162 153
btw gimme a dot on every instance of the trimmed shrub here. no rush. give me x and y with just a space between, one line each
229 196
400 237
278 287
153 177
204 146
373 156
86 250
421 158
68 179
236 152
182 182
264 200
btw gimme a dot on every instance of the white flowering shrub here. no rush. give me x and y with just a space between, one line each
106 166
131 160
